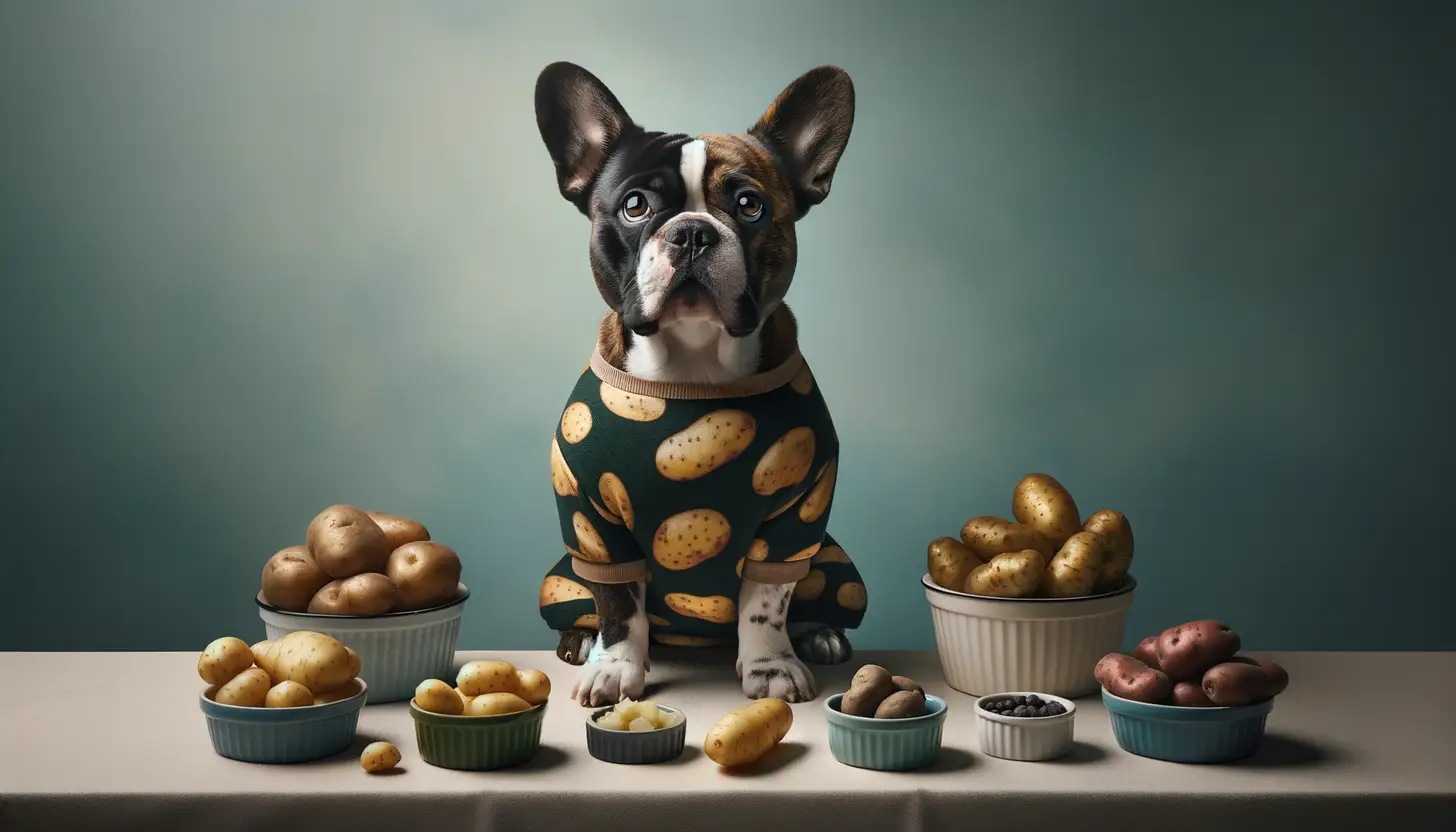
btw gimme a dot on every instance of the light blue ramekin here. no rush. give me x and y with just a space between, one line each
885 744
1180 734
282 735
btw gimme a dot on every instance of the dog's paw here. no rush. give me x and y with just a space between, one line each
575 645
826 645
612 674
783 678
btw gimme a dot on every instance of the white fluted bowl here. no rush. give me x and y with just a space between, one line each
987 645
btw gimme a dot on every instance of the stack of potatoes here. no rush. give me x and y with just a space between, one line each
1047 552
362 563
301 669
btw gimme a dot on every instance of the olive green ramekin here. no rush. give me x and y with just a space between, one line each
478 743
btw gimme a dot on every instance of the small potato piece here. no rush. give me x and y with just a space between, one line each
1190 695
906 683
641 724
870 686
612 721
481 677
1232 684
248 689
224 659
345 541
992 536
1116 534
1124 676
314 660
368 594
1073 572
902 704
1008 575
746 734
437 697
379 756
288 695
291 578
494 704
427 574
1041 502
1147 652
1187 651
950 562
535 686
398 530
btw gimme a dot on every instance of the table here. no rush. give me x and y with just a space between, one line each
99 741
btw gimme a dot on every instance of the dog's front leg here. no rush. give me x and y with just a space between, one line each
766 659
616 667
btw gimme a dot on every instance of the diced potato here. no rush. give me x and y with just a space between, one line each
641 724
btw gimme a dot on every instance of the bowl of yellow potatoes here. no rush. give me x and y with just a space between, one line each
636 733
491 718
289 701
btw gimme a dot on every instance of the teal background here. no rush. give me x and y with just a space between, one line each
1192 259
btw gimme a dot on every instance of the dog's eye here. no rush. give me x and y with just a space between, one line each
635 207
750 206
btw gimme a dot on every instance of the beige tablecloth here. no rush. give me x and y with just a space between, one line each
99 741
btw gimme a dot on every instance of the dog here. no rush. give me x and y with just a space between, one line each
694 464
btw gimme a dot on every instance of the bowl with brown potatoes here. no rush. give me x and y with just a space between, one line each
1030 602
490 720
376 582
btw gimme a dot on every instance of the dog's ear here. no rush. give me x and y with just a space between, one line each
580 122
808 126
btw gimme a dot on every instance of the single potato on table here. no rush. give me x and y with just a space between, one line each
1041 502
370 593
345 541
379 756
746 734
427 574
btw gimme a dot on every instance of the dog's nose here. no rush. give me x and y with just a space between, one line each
695 235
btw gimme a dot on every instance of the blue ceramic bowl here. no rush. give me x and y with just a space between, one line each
282 735
885 744
1187 735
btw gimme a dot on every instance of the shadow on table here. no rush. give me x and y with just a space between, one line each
690 753
778 758
1083 752
949 760
1284 751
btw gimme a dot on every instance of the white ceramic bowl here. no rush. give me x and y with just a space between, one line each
1041 644
397 650
1025 738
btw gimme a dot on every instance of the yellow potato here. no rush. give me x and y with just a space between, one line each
354 665
399 531
437 697
379 756
288 695
992 536
464 700
817 502
632 406
426 572
950 562
248 689
365 594
615 499
811 586
556 589
224 659
1008 575
588 540
1073 572
746 734
535 686
262 655
345 541
481 677
688 538
720 609
1041 502
314 660
1117 547
340 693
706 445
291 578
562 480
494 704
576 422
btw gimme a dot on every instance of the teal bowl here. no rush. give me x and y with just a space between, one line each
885 744
477 743
1179 734
282 735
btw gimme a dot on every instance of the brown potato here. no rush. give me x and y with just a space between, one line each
398 530
1124 676
1278 676
345 542
906 683
368 594
1186 651
1073 572
902 704
1041 502
870 686
1116 534
427 574
992 536
1232 684
1009 575
291 578
1147 652
1190 695
950 562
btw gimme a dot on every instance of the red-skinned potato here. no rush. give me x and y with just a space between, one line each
1124 676
1147 652
1232 684
1186 651
1190 695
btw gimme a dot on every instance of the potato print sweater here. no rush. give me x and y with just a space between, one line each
694 487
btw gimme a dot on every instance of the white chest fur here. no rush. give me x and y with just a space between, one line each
693 351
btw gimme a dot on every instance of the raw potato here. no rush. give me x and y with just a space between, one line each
992 536
1116 534
288 695
535 686
223 660
481 677
950 562
817 502
262 655
720 609
562 480
870 686
1041 502
1124 676
785 463
369 593
1190 695
1235 683
427 574
632 406
1009 575
1278 676
354 664
706 445
906 683
349 689
437 697
495 704
344 542
1073 572
398 530
248 689
688 538
291 578
314 660
1147 652
1186 651
902 704
379 756
746 734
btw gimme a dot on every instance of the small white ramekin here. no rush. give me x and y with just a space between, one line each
1025 738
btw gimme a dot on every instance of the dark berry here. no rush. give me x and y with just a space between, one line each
1021 700
1021 710
1041 711
1055 709
1035 701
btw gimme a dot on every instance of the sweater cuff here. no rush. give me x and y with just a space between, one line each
775 573
610 573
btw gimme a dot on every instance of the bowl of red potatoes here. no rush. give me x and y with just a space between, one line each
1185 695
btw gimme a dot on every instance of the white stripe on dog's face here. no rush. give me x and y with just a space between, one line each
693 167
